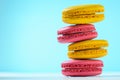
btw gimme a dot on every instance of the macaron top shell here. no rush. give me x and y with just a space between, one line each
83 9
76 28
82 64
88 44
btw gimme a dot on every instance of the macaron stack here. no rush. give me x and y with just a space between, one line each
83 48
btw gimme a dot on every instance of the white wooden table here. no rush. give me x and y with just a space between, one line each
56 76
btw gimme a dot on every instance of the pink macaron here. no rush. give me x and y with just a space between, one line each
82 67
76 33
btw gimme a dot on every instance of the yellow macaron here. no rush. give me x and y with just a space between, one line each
83 14
87 49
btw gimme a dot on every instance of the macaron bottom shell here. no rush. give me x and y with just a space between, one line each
87 54
82 72
77 37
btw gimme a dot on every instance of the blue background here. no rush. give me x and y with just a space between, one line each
28 34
